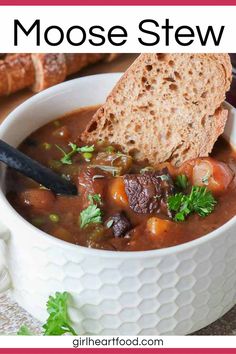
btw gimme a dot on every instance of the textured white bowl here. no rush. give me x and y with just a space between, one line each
175 290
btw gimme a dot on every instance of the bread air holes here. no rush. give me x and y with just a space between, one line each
144 79
204 94
168 134
170 79
137 128
148 67
203 121
107 123
173 87
185 151
171 63
177 75
161 56
140 95
92 127
186 97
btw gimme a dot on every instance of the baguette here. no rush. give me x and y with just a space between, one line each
50 69
165 108
3 79
40 71
20 72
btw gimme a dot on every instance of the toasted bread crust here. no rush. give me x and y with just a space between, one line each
3 79
166 107
50 69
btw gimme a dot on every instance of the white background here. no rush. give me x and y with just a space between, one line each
128 17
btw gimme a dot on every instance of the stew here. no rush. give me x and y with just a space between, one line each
121 204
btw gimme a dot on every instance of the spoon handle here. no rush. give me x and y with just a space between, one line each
24 164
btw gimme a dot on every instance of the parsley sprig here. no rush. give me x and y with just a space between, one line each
200 201
95 198
24 331
92 214
58 322
67 156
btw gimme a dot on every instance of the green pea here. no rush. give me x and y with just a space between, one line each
110 149
87 156
54 217
47 146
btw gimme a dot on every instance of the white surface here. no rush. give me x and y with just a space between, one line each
175 290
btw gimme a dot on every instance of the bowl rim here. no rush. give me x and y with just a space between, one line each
15 216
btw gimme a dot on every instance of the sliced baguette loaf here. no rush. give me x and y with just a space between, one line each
166 107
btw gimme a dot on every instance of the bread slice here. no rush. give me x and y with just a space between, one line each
166 107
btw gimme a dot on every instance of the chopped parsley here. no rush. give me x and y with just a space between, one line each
95 198
85 149
200 201
58 321
92 214
181 181
24 331
67 156
66 159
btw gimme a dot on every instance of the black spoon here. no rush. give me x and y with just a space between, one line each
31 168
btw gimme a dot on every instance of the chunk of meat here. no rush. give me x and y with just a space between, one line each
120 224
148 192
91 181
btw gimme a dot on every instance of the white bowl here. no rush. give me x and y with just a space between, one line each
175 290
